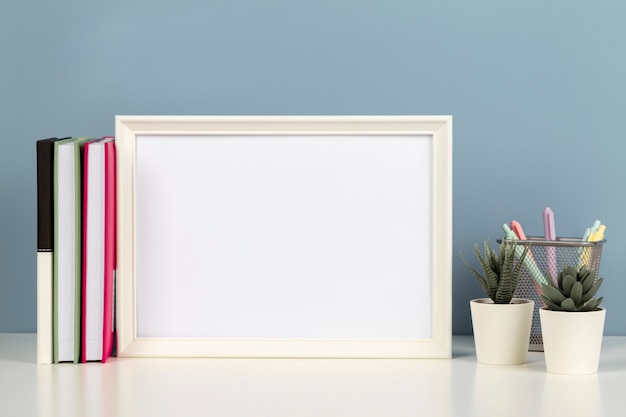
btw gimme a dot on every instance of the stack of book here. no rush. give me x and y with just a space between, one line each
75 249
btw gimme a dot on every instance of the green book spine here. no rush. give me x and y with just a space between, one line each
55 258
78 144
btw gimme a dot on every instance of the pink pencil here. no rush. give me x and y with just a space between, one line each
519 232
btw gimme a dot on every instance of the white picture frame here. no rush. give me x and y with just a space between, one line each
394 172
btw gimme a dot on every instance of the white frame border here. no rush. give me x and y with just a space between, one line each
127 128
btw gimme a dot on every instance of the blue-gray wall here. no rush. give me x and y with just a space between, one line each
537 90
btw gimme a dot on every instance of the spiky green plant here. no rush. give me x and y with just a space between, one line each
574 290
500 270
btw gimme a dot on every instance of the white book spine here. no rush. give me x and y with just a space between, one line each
44 307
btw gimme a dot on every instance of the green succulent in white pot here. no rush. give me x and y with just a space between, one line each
572 321
501 270
574 290
501 323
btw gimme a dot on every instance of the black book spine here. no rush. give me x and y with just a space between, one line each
45 197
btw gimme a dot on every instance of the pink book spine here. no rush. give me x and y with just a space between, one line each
83 303
109 247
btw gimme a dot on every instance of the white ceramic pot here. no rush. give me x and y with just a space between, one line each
572 340
501 331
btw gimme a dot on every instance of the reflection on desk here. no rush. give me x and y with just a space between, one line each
305 387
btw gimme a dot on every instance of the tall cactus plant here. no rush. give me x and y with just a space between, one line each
501 270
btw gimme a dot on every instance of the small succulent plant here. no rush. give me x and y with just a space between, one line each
500 270
575 290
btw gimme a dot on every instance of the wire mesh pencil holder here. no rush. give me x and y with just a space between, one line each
544 260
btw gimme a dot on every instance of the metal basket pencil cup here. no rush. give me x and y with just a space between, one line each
544 261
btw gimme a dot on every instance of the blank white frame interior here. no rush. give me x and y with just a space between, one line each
284 236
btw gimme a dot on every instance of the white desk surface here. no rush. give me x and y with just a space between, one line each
309 387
